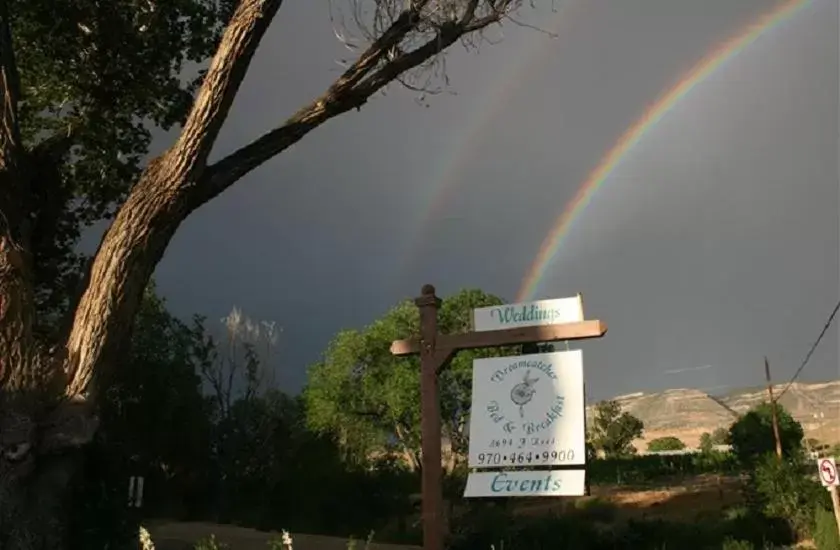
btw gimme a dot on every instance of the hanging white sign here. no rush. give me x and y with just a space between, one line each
528 411
529 314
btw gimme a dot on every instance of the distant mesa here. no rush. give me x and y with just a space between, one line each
688 413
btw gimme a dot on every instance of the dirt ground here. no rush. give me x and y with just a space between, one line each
683 500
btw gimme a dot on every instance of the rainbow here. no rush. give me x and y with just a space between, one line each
455 150
653 114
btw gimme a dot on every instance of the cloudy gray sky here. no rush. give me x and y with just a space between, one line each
713 242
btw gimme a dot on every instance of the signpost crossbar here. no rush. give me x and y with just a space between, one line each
504 337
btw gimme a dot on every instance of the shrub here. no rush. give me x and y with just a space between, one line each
669 443
706 443
644 469
825 530
493 528
785 492
751 436
210 543
744 524
595 509
571 532
733 544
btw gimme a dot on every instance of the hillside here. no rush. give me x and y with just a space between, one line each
687 413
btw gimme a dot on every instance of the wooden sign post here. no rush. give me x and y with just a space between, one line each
436 351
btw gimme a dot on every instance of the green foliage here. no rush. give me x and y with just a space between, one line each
613 430
154 424
786 492
825 530
210 543
668 443
580 529
257 465
369 400
641 470
706 444
352 544
720 436
596 509
730 543
95 79
155 419
99 517
271 472
752 437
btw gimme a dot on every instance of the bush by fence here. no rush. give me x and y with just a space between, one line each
489 527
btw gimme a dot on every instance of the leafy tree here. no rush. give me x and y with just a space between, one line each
370 400
669 443
154 415
246 410
614 430
751 436
92 81
706 443
80 81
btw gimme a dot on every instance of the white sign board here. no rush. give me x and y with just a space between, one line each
827 470
529 314
537 483
528 411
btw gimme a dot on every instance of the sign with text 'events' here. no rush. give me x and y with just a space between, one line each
528 411
536 483
529 314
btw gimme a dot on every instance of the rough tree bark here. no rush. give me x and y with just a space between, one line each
47 405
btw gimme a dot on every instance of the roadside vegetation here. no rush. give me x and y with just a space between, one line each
217 442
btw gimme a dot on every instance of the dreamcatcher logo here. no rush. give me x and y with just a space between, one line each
522 394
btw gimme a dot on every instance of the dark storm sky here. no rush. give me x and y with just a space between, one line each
714 242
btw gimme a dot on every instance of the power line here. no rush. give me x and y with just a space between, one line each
811 351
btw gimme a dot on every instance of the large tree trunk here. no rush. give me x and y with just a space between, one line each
47 396
43 425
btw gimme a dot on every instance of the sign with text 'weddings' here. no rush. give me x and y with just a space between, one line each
528 411
529 314
535 483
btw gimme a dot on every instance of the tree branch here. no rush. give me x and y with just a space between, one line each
144 225
242 36
366 76
178 182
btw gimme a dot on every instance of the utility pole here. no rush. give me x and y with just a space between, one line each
773 409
